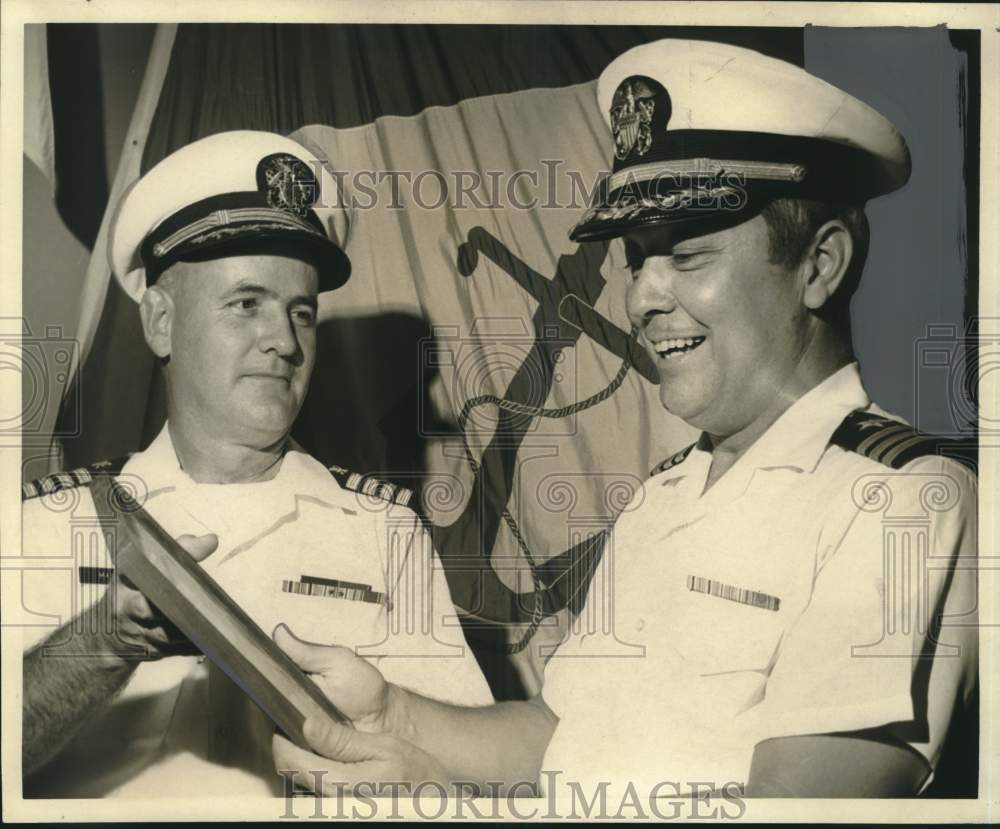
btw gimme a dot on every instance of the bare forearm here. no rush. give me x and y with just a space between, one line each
65 683
79 669
502 744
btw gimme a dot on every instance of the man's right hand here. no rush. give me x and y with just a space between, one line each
401 739
353 684
372 752
138 629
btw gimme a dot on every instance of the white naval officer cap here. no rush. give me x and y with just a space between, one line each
702 128
233 193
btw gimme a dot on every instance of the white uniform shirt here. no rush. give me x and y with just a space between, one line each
181 727
788 599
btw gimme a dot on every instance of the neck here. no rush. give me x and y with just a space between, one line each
827 354
207 459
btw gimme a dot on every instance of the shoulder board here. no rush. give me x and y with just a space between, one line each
672 461
83 476
373 487
896 444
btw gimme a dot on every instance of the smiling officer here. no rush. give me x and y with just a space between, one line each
225 246
778 588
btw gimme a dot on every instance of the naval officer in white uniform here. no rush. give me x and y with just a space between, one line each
225 246
794 596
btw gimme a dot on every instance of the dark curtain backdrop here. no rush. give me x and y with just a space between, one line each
283 77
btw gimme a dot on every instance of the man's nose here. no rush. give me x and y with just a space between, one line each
651 290
278 336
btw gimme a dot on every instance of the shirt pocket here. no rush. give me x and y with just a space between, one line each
330 616
727 628
323 598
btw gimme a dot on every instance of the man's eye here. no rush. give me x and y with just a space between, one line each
682 260
304 316
245 305
634 257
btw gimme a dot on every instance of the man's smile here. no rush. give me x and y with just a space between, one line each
673 347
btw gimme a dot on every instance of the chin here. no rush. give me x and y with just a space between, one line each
267 428
685 406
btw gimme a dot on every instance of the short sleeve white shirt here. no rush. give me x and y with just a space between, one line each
180 727
810 590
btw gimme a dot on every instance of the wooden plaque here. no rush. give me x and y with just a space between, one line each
188 596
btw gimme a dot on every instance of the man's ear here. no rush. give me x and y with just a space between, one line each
156 309
826 264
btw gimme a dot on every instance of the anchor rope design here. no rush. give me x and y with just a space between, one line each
515 407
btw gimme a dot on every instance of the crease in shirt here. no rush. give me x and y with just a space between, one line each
287 518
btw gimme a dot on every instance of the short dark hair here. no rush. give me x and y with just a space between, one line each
792 225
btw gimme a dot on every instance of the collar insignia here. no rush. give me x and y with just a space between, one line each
672 461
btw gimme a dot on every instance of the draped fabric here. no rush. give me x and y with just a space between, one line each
39 135
285 77
467 153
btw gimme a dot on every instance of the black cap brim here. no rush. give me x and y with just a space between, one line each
682 179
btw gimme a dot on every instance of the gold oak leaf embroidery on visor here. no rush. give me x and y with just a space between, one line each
732 593
334 589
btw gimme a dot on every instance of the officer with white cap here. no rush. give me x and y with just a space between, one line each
225 245
777 624
702 128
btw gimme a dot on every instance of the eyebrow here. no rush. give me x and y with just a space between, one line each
695 245
260 290
684 247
